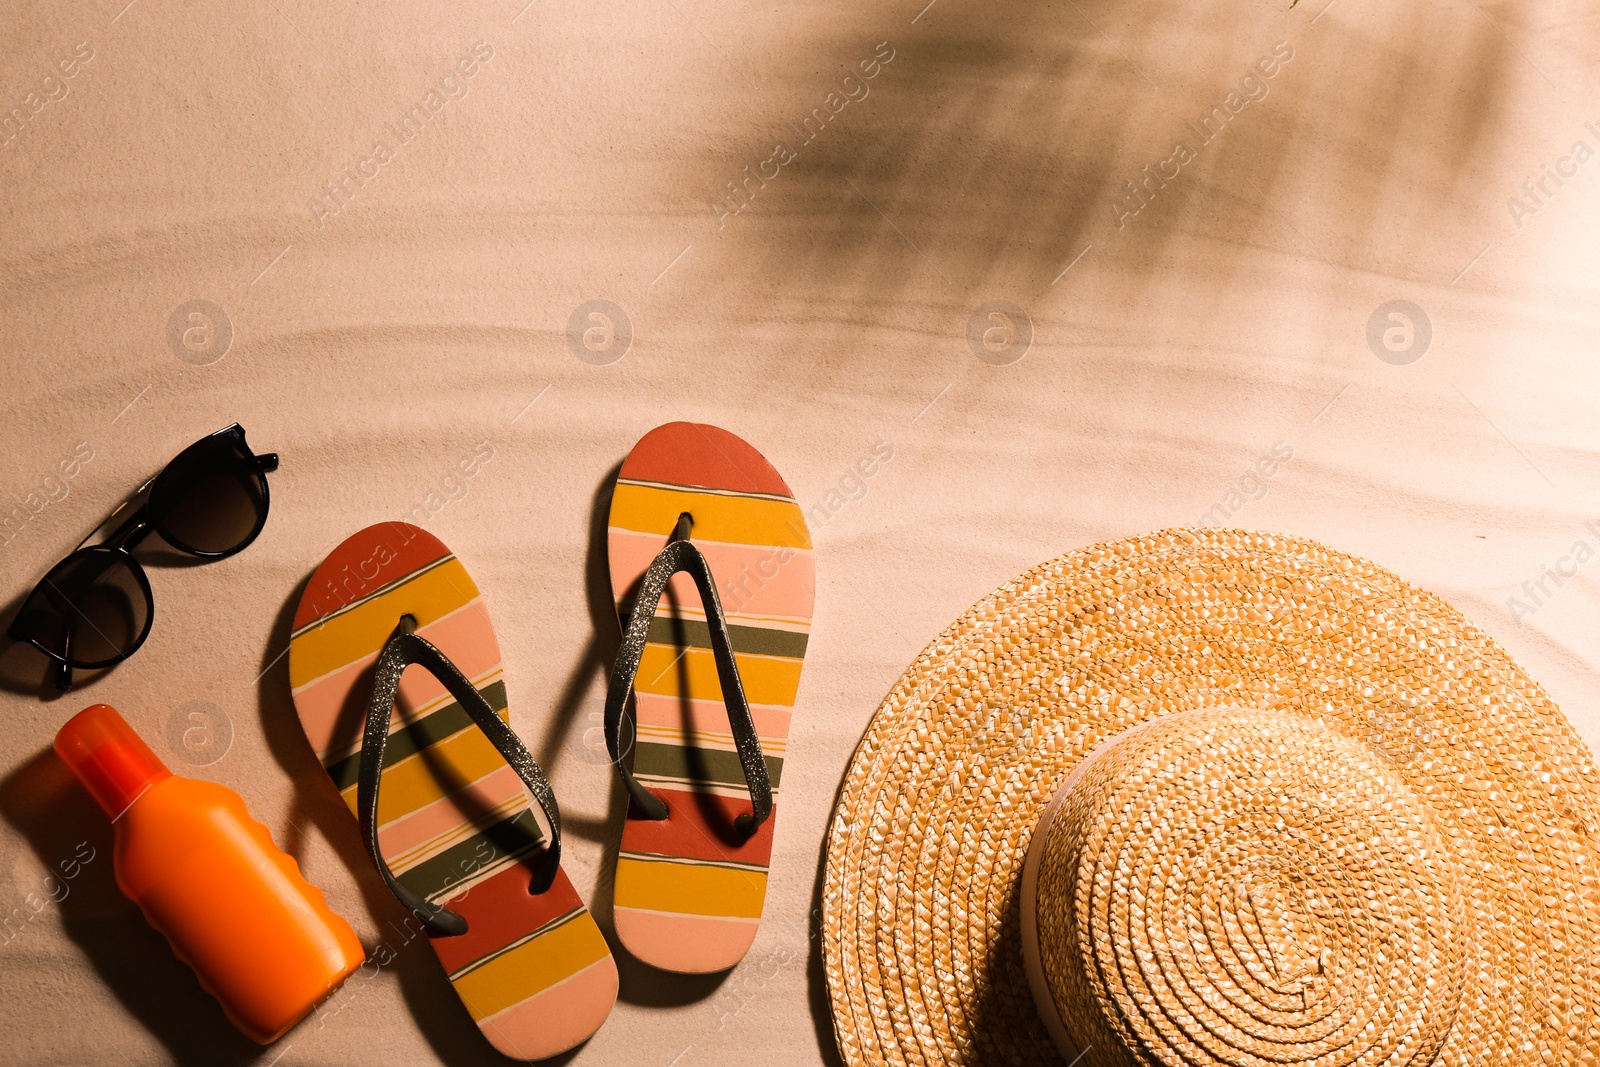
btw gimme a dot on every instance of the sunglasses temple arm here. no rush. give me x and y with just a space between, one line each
267 462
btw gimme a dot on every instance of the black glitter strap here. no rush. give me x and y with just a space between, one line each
621 732
402 650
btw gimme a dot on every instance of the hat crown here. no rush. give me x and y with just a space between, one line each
1286 935
1226 886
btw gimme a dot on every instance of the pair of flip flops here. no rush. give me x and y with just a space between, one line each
398 682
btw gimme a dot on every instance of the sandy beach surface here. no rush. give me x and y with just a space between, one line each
1080 269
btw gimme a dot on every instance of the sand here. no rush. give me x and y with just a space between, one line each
1079 270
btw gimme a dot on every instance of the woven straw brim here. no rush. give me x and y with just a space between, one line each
921 924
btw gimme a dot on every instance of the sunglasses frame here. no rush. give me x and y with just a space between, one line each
120 543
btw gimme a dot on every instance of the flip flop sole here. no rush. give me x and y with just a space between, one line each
689 888
454 821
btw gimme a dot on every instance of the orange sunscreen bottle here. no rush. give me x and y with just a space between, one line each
234 908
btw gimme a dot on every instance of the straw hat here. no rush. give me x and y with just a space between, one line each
1231 798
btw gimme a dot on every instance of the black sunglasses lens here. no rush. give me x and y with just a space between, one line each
212 498
91 609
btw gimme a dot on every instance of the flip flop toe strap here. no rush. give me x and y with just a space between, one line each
621 731
401 651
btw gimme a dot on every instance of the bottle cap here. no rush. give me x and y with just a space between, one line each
113 763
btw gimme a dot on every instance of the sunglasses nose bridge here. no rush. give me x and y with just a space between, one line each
133 530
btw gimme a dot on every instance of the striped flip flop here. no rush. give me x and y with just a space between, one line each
447 822
712 572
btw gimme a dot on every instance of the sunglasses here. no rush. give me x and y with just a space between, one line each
94 608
